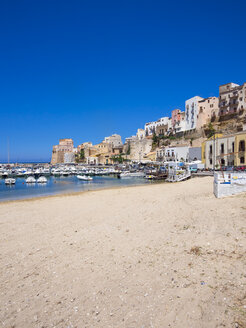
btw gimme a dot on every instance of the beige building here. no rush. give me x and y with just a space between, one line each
84 145
96 150
114 140
58 152
219 151
240 148
160 154
206 109
103 152
161 130
232 99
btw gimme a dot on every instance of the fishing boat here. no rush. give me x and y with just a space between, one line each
42 179
177 173
10 181
30 180
150 177
84 177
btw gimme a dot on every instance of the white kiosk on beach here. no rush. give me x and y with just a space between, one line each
229 183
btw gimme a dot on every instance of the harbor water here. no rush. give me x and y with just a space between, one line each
62 185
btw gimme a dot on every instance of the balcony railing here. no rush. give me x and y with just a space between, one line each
233 95
231 103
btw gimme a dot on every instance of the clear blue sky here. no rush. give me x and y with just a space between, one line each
87 69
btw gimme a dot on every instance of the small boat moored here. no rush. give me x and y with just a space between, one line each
42 180
128 174
9 181
84 177
30 180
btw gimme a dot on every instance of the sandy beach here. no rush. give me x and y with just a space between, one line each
164 255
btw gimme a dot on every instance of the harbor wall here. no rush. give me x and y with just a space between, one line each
228 184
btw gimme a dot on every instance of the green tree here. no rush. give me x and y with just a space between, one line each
211 130
82 154
155 138
118 159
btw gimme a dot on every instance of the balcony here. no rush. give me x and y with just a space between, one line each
234 94
223 104
233 103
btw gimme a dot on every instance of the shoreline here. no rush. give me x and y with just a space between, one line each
69 194
77 193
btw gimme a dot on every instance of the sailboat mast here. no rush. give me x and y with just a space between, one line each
8 150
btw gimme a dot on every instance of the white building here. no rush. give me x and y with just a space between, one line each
176 154
151 126
180 126
169 125
191 112
114 140
140 134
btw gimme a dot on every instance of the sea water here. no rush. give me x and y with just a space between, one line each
62 185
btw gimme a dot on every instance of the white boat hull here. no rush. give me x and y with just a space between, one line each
10 181
84 178
132 175
42 180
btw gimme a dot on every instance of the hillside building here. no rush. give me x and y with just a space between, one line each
191 112
114 140
150 128
207 108
232 99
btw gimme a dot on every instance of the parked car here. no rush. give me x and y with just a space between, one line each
193 169
241 168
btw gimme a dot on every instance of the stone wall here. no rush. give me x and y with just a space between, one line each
57 157
140 148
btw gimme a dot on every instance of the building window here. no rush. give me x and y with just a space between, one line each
242 160
241 145
233 147
222 149
211 162
222 161
210 149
